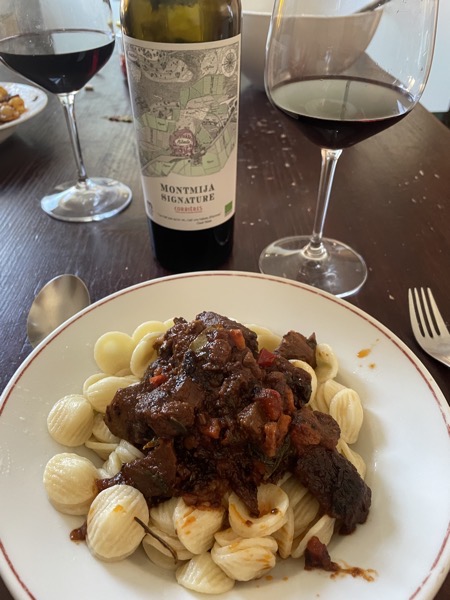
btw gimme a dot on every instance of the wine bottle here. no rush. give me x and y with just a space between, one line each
183 66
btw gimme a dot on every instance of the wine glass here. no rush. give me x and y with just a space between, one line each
344 72
61 45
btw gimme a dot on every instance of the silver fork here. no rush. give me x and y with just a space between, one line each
428 325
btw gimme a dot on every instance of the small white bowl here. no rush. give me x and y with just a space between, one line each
356 29
35 101
256 16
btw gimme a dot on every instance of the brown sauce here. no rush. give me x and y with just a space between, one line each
79 534
345 569
318 557
364 353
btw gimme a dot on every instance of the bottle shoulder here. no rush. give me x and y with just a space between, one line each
181 21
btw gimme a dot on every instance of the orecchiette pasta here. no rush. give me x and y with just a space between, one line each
111 466
112 531
327 363
161 547
102 391
120 454
150 327
346 409
330 388
127 452
273 503
208 548
93 379
195 528
144 353
323 530
70 483
70 421
266 339
285 535
246 559
162 516
101 432
201 574
304 506
112 352
226 536
161 557
353 457
103 449
324 394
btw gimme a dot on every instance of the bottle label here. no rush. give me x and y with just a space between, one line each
185 105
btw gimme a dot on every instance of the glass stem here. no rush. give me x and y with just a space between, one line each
315 249
68 103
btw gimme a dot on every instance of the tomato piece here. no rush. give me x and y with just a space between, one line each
270 402
157 380
238 338
266 358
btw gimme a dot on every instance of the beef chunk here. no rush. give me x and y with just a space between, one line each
264 421
317 556
167 410
155 475
297 379
296 345
336 485
242 476
311 428
121 416
165 417
172 346
252 420
211 319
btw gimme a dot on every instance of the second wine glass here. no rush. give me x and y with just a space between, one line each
344 73
61 45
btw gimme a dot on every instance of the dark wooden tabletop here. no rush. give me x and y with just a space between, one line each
391 202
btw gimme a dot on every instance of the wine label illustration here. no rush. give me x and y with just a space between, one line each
185 105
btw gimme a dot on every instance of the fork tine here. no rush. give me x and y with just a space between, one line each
420 310
413 313
441 327
423 323
429 320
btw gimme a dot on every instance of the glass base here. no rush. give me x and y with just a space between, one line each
336 269
93 200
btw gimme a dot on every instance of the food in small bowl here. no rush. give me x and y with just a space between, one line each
357 27
11 106
18 103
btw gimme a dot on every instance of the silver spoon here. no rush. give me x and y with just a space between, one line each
58 300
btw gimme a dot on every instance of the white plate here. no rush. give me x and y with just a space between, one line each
404 440
35 101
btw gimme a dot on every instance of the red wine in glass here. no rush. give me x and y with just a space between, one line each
338 112
345 70
62 59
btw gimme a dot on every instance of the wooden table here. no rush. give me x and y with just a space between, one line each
391 202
